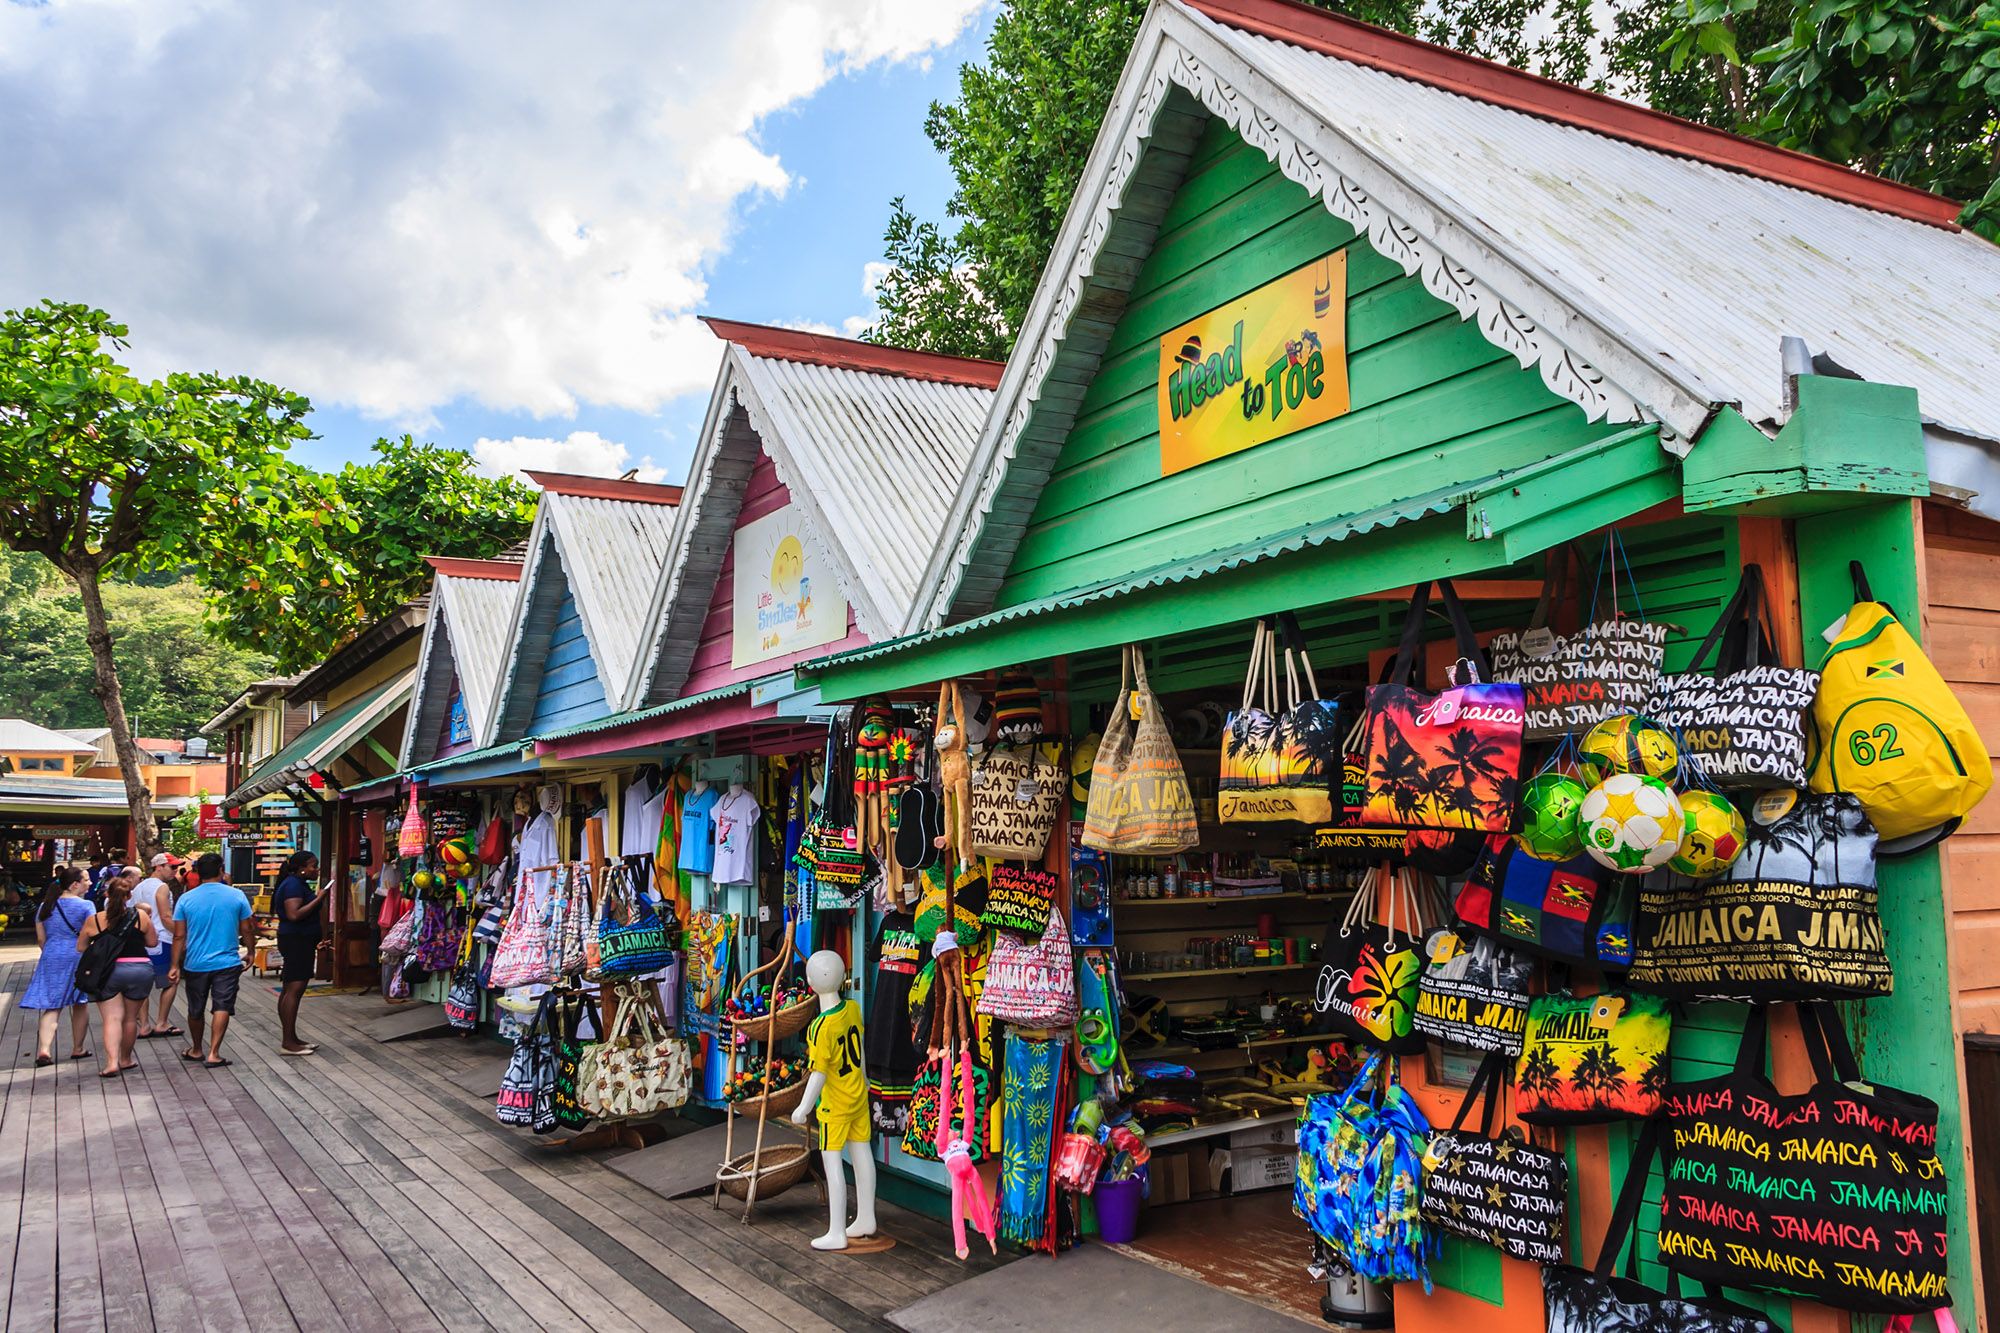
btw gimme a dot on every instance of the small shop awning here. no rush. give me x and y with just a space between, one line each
336 732
1507 516
506 759
31 796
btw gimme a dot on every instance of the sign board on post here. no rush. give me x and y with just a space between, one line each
785 596
212 823
1271 362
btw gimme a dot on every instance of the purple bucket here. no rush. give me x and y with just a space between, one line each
1118 1210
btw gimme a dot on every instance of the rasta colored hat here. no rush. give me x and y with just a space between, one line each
1017 708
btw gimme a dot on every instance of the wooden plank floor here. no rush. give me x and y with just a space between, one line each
363 1188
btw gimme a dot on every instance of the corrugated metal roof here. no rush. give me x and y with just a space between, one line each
632 716
20 734
613 552
335 732
469 757
1700 267
479 615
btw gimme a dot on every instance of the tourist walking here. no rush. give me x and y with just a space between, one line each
297 904
157 892
211 928
61 913
121 1000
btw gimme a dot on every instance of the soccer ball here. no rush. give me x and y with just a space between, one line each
1632 823
1713 838
1628 743
1548 817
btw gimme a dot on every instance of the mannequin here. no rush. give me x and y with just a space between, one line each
833 1049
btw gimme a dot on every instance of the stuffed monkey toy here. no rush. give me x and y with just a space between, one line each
955 771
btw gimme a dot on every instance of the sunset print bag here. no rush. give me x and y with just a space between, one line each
1281 756
1450 760
1369 971
1591 1059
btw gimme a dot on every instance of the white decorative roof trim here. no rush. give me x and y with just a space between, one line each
539 540
1409 234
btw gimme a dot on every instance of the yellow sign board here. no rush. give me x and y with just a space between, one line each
1270 362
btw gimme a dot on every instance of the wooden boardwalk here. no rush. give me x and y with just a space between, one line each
363 1188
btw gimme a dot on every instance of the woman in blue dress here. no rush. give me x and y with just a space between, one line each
61 914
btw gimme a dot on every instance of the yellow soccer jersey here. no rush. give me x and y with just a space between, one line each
833 1048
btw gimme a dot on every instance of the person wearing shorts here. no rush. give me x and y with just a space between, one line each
211 927
121 998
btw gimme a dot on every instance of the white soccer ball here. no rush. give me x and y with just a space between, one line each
1632 823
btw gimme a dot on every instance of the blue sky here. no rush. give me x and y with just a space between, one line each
489 223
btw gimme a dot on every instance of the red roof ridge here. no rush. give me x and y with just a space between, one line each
824 349
1502 85
606 488
461 568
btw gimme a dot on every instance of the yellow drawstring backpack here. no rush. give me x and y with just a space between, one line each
1892 734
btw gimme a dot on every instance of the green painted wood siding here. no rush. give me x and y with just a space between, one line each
1432 400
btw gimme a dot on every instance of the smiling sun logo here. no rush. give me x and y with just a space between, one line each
788 563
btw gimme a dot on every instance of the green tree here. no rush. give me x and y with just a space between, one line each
183 835
101 471
297 579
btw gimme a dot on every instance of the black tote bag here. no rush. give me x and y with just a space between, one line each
1499 1190
1593 1300
1836 1193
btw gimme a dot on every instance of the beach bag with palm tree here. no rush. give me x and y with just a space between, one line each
1591 1059
1281 754
1450 760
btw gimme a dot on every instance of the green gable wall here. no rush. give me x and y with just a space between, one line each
1433 400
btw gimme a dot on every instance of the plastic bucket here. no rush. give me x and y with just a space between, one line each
1118 1210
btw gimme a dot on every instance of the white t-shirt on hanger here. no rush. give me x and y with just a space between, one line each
736 816
632 823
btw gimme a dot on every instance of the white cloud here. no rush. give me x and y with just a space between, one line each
582 452
393 206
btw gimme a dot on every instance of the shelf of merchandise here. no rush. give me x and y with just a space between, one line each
1158 1141
1254 969
1232 900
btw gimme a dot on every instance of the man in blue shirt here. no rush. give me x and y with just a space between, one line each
211 922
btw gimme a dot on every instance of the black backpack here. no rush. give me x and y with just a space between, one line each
101 955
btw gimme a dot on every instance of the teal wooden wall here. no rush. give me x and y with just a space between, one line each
1433 401
570 691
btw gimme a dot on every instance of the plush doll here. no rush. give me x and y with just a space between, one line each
954 771
968 1191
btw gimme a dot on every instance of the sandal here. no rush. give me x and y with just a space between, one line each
114 1073
217 1064
42 1061
192 1058
169 1031
83 1055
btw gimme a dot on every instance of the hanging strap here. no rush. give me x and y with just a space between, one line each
1295 645
1469 650
1626 1211
1750 1047
1555 583
1486 1082
1250 680
1732 611
1399 672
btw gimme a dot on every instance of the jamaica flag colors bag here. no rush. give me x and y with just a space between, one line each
1794 919
1593 1300
1589 1059
1745 726
1368 974
1836 1194
1891 733
1499 1190
1281 759
1572 911
1473 993
1450 760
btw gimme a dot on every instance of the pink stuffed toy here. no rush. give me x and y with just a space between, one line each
968 1191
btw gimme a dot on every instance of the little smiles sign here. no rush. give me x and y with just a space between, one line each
785 599
1271 362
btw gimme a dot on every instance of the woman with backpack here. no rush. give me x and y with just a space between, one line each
118 972
62 912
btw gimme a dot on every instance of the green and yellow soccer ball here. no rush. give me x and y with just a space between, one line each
1628 743
1549 805
1713 836
1632 823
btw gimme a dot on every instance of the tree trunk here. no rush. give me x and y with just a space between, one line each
104 684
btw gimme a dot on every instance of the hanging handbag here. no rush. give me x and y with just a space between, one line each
1593 1300
1500 1190
402 936
461 1002
1368 973
515 1104
1016 795
1590 1059
1836 1193
1019 898
569 915
1573 682
441 938
522 958
1744 726
1359 1178
1440 852
569 1112
1032 984
636 944
1280 758
1572 911
634 1071
1472 993
1794 918
1139 800
414 836
1450 760
920 1128
494 841
1892 733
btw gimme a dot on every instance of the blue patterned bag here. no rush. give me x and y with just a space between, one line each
636 946
1359 1183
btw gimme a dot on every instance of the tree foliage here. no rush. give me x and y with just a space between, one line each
296 579
101 471
1900 87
